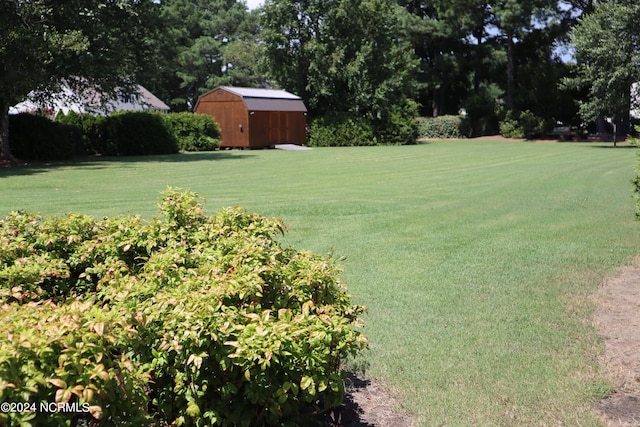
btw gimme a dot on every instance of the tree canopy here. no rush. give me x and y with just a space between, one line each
607 43
203 46
97 44
345 56
362 58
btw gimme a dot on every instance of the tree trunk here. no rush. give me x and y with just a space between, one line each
5 150
478 33
434 102
601 126
510 71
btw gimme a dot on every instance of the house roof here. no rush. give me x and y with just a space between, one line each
94 102
143 100
265 99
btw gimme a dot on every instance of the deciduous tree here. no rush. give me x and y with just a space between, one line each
97 44
349 56
202 45
607 43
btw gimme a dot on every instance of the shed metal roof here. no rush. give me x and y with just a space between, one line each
266 99
263 104
248 92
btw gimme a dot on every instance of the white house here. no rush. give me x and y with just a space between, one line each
92 102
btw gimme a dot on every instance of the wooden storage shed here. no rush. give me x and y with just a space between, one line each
255 118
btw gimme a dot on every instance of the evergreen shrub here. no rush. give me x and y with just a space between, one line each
187 319
441 127
38 138
522 125
341 130
193 132
134 133
92 129
400 128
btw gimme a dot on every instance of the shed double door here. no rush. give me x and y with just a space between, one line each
278 127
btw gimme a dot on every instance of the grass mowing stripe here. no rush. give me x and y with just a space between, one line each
475 258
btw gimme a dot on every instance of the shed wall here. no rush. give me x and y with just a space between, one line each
232 118
254 129
277 127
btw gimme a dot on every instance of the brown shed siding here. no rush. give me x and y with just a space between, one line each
257 121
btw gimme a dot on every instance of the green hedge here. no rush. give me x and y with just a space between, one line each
400 127
187 319
134 133
344 129
91 127
38 138
139 133
523 124
442 127
341 130
193 132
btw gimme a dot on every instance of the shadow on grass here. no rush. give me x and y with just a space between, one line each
24 168
616 147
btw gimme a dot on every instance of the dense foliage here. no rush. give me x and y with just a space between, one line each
607 43
442 127
343 129
136 133
202 47
361 58
130 133
140 133
94 44
522 125
187 319
636 179
340 131
92 128
38 138
193 132
349 57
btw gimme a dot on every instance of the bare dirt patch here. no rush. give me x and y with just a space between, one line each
367 403
618 321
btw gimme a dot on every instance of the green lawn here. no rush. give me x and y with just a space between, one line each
475 258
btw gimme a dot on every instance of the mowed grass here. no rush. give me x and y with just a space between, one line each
476 259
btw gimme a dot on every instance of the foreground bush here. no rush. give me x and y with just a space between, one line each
185 320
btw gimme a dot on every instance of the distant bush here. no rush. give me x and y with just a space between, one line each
481 113
441 127
522 125
138 133
341 130
184 320
193 132
91 128
134 133
34 137
400 128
